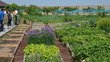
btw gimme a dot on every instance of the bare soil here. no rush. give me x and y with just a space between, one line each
65 54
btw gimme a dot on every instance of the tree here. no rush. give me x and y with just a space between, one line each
49 9
89 10
12 7
32 9
67 17
101 11
70 8
104 24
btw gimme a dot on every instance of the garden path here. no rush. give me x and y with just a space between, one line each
6 30
10 41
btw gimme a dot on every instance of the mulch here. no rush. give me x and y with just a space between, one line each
65 54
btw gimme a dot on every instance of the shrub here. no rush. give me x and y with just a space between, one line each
92 23
88 44
45 36
67 18
104 24
41 53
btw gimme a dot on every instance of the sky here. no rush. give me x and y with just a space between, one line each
58 2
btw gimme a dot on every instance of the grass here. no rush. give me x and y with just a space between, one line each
59 19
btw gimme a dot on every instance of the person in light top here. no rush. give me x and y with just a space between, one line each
16 17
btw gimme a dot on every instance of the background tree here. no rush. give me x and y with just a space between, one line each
67 17
49 9
12 7
70 8
89 10
101 11
32 10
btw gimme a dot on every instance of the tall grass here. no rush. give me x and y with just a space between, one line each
58 18
104 24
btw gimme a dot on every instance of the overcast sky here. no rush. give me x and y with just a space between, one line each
59 2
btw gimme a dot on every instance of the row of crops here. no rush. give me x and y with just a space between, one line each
41 47
87 44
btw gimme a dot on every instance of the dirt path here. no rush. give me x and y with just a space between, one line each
64 52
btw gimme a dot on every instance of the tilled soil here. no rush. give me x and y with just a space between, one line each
64 52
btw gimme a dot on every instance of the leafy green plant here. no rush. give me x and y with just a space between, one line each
41 38
104 24
88 44
43 52
41 46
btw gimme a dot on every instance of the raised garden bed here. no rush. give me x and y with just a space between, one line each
12 34
8 45
17 32
15 37
7 50
10 42
12 39
6 59
20 29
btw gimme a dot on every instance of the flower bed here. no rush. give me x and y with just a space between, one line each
41 46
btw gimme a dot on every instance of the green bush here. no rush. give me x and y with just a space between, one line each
67 18
41 53
41 38
88 44
104 24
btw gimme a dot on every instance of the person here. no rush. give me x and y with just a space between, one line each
16 17
1 19
12 19
5 18
9 18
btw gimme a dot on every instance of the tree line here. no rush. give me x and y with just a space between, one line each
36 10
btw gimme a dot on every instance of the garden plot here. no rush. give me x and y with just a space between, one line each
18 32
6 59
41 41
7 51
59 25
37 25
10 42
86 44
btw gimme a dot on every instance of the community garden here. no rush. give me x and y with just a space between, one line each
86 40
57 38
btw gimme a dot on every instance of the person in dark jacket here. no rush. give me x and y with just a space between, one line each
9 18
1 19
